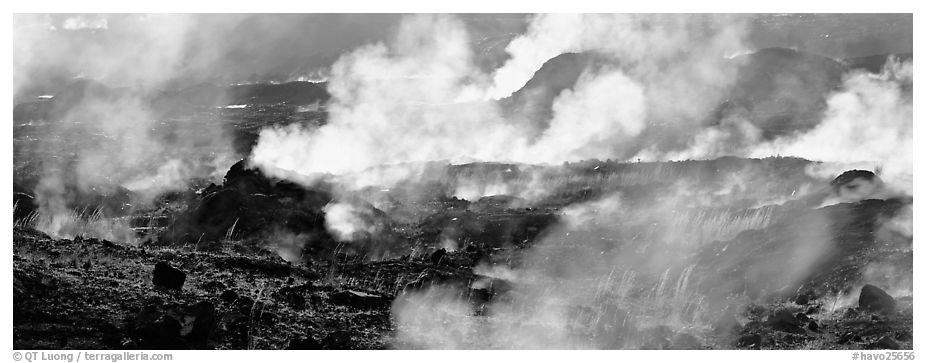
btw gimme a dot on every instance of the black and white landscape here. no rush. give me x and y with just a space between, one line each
468 181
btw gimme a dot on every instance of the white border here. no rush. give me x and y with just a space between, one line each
464 6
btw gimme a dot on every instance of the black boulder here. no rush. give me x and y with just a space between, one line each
167 276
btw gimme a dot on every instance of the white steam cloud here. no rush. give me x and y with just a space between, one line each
603 112
631 39
149 52
106 140
404 101
393 104
867 124
348 222
596 281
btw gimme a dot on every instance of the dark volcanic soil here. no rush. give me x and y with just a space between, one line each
85 293
750 222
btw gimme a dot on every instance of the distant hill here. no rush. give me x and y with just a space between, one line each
782 90
533 103
874 63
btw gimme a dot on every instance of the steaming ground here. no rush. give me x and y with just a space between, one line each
614 182
616 256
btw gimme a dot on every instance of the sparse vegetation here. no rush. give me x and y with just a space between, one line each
341 297
155 210
79 222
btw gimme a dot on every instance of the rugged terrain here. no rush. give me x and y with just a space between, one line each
239 293
729 253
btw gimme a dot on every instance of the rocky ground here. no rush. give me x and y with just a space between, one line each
93 294
239 293
248 262
96 294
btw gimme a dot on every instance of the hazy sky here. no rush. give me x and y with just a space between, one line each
178 50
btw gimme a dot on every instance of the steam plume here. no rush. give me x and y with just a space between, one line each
406 100
869 123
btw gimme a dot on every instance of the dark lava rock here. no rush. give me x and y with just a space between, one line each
782 320
273 267
152 328
294 295
802 318
847 181
109 244
229 296
802 299
199 323
426 278
304 343
489 230
339 340
903 336
884 343
754 309
214 286
437 256
813 326
167 276
875 300
851 175
486 289
245 302
848 337
753 341
480 296
357 299
178 327
245 305
163 333
268 317
850 313
856 185
250 203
